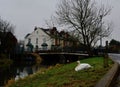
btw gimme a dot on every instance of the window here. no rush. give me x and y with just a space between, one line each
37 47
29 40
36 40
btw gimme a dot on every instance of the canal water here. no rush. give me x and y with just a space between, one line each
27 65
18 70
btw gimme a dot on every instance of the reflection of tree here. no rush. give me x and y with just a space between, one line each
29 70
3 77
6 74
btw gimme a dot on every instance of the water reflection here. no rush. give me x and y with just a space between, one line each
17 71
25 71
4 75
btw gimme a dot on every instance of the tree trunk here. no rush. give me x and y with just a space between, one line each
89 50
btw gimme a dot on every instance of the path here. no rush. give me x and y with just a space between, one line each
116 58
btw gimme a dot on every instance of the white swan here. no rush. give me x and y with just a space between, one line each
82 66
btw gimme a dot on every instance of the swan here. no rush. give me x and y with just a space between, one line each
82 66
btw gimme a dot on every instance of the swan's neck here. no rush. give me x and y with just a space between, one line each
78 62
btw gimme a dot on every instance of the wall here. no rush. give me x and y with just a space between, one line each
41 35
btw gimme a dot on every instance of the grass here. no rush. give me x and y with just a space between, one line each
4 62
66 76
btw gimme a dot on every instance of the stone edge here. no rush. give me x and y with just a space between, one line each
108 78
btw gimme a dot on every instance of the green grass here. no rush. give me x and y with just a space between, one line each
5 63
66 76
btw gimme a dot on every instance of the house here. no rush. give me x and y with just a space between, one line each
47 39
7 43
114 46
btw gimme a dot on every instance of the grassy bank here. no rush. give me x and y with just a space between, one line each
65 75
4 62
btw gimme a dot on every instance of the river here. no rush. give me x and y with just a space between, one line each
27 65
18 70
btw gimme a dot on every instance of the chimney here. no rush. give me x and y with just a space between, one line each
54 28
35 28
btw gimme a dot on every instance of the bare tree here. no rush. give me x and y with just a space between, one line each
50 23
85 18
6 26
5 39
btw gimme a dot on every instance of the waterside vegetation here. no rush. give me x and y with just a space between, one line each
4 61
64 75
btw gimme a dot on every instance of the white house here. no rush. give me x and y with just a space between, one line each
45 39
38 38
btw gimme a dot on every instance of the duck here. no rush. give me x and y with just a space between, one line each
82 66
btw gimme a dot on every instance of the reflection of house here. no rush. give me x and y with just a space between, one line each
47 39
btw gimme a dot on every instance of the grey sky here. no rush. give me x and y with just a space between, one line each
26 14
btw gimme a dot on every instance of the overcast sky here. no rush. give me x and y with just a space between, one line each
26 14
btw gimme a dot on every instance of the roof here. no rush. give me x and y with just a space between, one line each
54 33
27 35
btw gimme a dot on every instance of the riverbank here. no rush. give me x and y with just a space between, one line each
65 75
4 61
